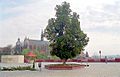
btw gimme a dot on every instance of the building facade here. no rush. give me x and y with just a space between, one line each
39 45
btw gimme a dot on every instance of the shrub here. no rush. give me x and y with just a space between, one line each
17 68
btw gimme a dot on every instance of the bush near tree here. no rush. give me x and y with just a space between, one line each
25 51
38 54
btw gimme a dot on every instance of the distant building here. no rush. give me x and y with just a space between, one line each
39 45
6 50
32 44
1 50
82 55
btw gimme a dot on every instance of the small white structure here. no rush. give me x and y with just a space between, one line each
12 58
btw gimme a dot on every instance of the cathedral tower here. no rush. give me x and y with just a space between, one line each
42 36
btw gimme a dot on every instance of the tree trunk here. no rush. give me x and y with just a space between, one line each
64 61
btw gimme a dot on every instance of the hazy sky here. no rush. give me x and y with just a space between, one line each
100 19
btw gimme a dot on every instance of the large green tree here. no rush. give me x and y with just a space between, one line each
66 38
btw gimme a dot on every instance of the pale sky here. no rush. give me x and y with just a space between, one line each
100 20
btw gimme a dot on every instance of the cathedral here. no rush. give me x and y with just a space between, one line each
39 45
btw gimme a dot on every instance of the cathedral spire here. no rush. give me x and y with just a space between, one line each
42 35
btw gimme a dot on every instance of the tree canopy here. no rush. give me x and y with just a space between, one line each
66 38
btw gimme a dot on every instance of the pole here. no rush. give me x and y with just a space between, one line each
100 55
87 58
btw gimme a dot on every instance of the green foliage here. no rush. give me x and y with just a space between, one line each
40 55
17 68
64 33
54 57
25 51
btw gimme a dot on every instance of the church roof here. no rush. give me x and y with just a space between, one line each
38 42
